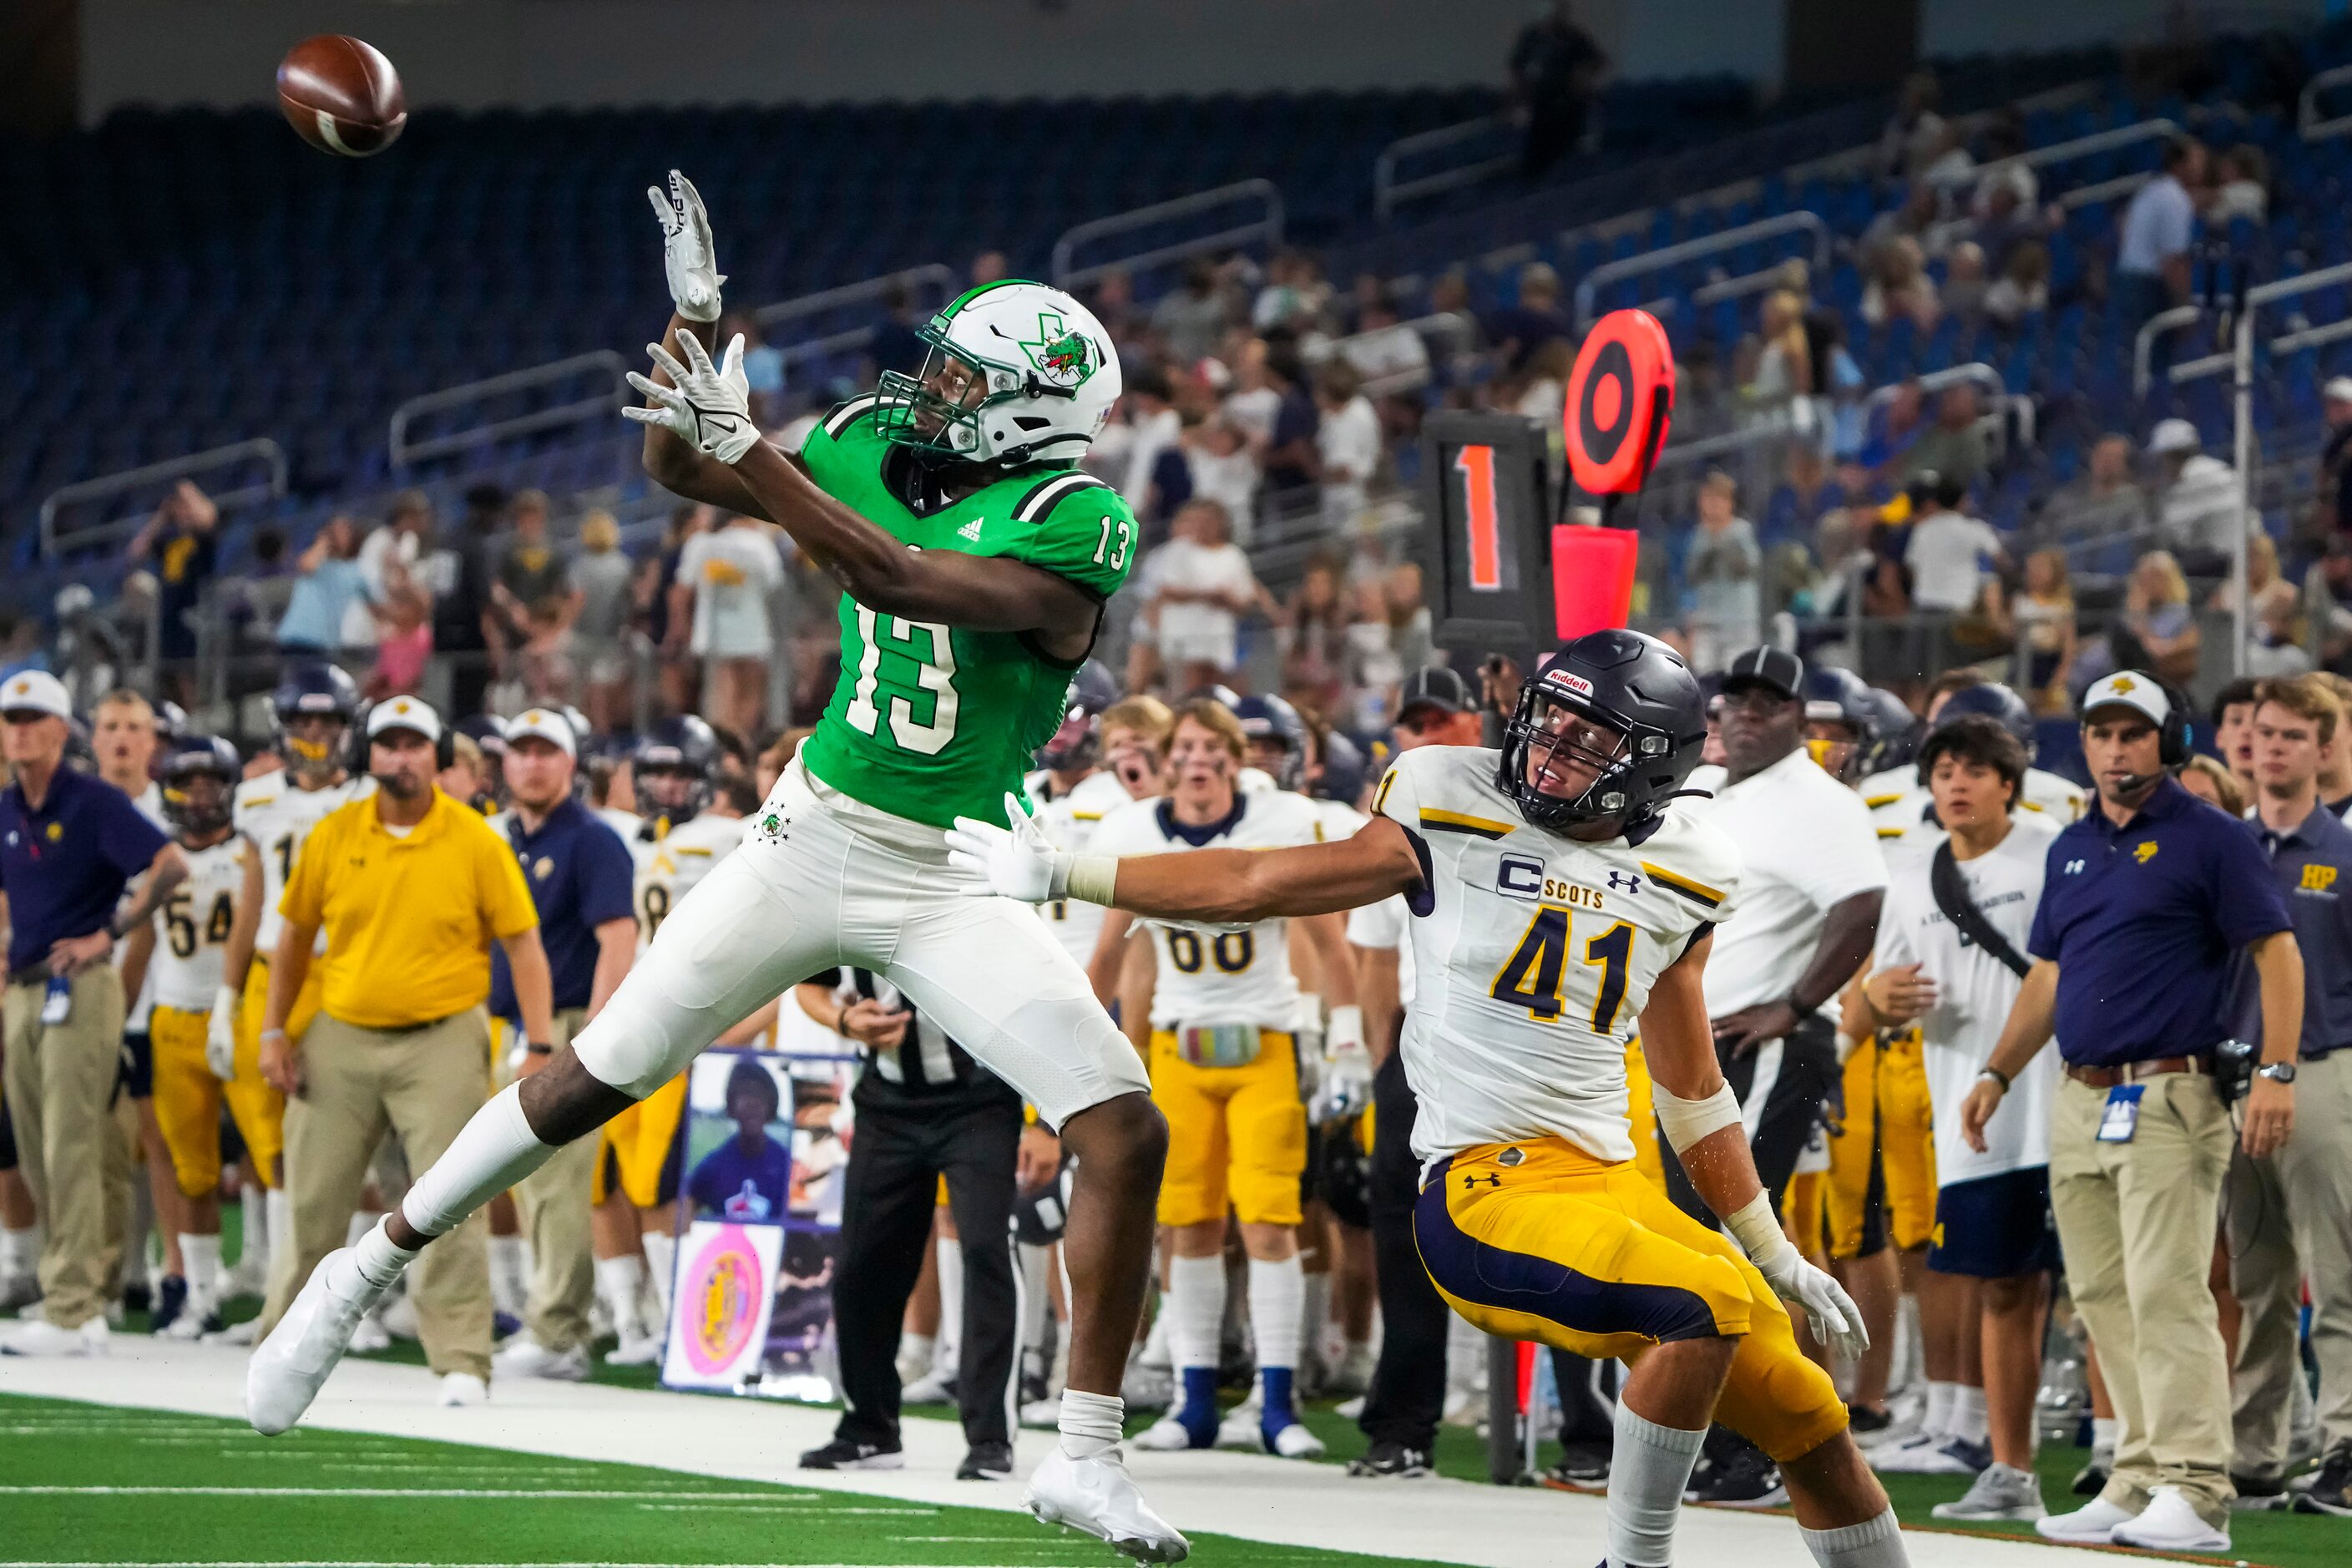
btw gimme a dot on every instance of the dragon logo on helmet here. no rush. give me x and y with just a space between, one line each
1061 354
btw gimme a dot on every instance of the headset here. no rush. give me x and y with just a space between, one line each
444 749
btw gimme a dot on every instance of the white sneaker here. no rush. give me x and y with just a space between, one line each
368 1336
288 1368
1165 1436
635 1350
1354 1372
1296 1442
2170 1523
526 1357
929 1389
1100 1498
40 1337
1922 1454
1042 1415
243 1333
1243 1425
462 1388
1349 1409
397 1317
2092 1524
189 1326
2001 1491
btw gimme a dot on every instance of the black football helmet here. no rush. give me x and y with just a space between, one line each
1837 700
1344 771
1273 721
490 735
1898 732
1076 743
1640 694
312 691
674 766
170 721
1994 701
199 778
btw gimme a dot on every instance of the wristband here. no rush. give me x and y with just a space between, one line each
1091 879
539 1049
273 1034
1345 1031
1995 1074
1757 1231
1685 1121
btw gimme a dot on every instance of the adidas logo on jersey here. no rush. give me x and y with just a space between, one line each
969 531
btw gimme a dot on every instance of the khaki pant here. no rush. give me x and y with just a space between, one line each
2136 1221
422 1086
2290 1220
60 1087
553 1202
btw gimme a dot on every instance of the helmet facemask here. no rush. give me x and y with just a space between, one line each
315 745
199 802
1015 373
1569 762
938 410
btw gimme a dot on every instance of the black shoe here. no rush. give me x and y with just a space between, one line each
1865 1423
170 1300
137 1298
2257 1494
1392 1460
848 1454
986 1462
2090 1480
1743 1480
1583 1467
2331 1490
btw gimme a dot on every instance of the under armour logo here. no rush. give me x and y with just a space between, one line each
1491 1179
1625 882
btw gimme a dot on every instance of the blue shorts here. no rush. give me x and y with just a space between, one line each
1995 1227
138 1076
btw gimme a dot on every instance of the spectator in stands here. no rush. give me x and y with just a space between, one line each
1913 131
1807 491
2334 498
602 581
460 610
1889 432
2043 615
1784 364
1452 332
1951 169
2265 587
180 539
2233 728
2196 500
2023 286
2152 258
1222 468
2102 503
1152 428
330 586
1294 294
2211 782
1192 320
764 368
1556 72
403 640
1517 331
731 572
1916 218
1196 589
405 541
1725 603
1954 446
529 569
1383 348
1293 461
670 609
1252 401
1314 633
2243 188
1952 556
1966 287
2159 630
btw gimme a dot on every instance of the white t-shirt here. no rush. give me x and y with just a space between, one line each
1808 845
1946 560
1385 352
2200 509
1149 436
1253 412
1349 443
1198 631
1973 994
734 572
1231 481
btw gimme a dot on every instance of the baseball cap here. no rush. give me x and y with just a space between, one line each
1775 668
2337 390
1434 687
547 725
403 714
2173 435
2132 688
35 691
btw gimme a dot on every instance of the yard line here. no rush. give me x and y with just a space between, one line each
483 1492
348 1562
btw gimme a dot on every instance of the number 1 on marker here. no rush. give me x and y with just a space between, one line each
1477 467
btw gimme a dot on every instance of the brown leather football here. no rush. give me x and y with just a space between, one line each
343 95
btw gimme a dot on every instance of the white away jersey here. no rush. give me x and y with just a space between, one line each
1069 822
1973 992
1535 955
150 802
277 817
1900 805
1207 976
192 928
672 860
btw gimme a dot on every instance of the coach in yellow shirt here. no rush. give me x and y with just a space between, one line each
411 887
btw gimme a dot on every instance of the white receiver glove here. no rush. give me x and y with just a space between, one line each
686 252
220 1033
709 406
1016 862
1346 1085
1836 1321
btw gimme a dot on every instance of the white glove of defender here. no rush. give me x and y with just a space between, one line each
709 406
1836 1321
688 256
1015 862
1347 1083
220 1034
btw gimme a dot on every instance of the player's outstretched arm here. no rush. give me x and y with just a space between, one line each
673 462
1212 886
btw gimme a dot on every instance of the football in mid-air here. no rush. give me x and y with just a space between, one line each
343 95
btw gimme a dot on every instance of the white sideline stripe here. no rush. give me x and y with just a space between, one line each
352 1562
507 1493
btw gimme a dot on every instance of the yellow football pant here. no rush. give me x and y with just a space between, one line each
634 1149
1235 1134
1542 1241
188 1100
265 1134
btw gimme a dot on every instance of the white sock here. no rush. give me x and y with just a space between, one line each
1873 1544
1091 1424
1936 1420
253 1209
491 1153
1649 1467
509 1274
1277 1303
1155 1339
1967 1420
618 1280
1194 1310
916 1348
200 1254
20 1251
2105 1430
280 1206
1903 1367
369 1266
949 1353
1315 1323
661 1262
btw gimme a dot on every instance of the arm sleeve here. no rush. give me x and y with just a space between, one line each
608 878
505 898
127 839
1090 537
2247 903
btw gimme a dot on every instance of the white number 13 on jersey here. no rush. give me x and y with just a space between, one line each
934 673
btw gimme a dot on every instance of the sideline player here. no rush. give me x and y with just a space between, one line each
956 657
179 955
1559 900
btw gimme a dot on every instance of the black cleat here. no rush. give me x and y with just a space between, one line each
171 1300
2331 1490
1583 1467
1745 1477
986 1462
847 1454
1392 1460
2090 1481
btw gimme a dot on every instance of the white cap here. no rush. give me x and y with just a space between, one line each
39 691
2174 435
2129 689
547 725
403 714
2337 390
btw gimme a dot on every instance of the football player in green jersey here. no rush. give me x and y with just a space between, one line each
975 561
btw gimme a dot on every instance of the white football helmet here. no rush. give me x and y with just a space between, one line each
1017 373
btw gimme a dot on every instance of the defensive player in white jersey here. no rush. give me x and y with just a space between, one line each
676 841
178 955
1560 898
1899 800
312 709
1071 795
1226 1072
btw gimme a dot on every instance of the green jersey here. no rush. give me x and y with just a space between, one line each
930 721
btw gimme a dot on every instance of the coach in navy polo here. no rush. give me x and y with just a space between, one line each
2146 905
582 882
69 843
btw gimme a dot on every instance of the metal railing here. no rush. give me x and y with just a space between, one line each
1407 380
1388 190
2144 345
404 452
914 280
1709 245
260 449
2306 116
1998 401
2157 130
1265 228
